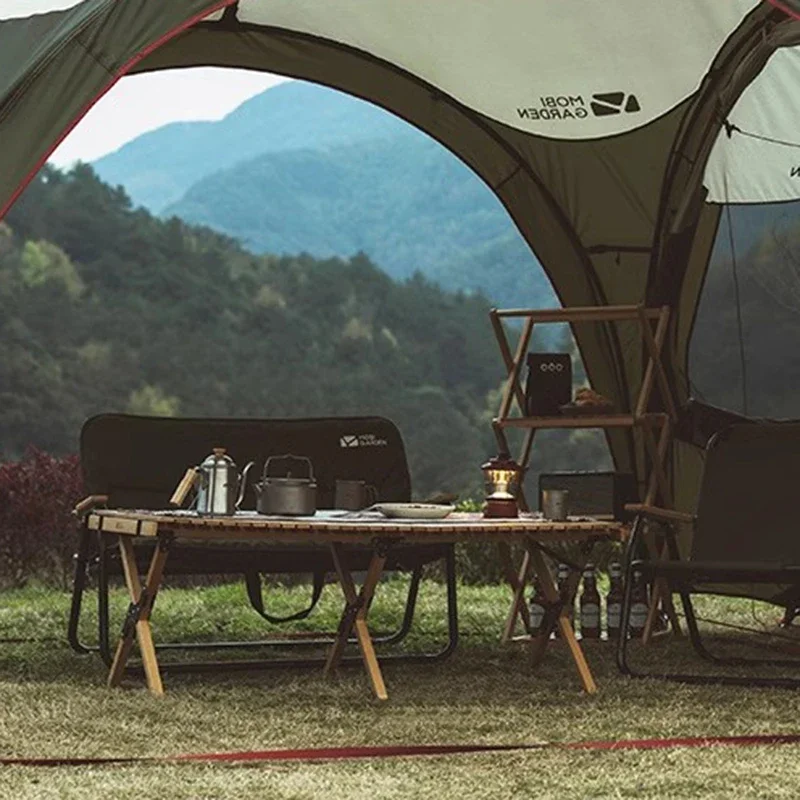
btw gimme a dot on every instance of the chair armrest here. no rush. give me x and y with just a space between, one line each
666 514
88 503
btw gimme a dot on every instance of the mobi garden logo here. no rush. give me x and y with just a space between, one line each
362 440
568 106
607 103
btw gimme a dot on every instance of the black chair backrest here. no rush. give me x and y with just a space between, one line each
747 509
138 461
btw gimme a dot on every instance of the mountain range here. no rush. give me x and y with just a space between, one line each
303 168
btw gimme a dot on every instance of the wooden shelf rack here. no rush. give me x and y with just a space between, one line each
655 426
653 324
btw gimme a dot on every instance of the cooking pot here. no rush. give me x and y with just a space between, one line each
288 495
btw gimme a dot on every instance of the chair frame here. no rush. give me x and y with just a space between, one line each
103 562
682 585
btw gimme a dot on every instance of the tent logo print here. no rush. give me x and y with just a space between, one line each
606 103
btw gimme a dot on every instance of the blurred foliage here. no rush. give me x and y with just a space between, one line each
37 529
151 401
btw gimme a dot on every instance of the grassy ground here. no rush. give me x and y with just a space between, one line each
54 703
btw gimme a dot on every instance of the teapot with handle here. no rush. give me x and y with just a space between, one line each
289 494
220 487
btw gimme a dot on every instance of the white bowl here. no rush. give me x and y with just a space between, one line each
414 510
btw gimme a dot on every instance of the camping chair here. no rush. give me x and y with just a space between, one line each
136 462
745 539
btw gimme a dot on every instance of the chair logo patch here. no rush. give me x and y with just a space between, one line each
362 440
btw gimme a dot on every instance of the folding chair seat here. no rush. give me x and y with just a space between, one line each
745 540
136 462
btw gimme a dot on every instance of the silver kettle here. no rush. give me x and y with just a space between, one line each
220 487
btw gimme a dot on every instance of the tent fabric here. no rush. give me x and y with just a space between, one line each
610 132
578 102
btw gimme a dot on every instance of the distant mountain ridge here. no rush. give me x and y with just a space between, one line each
158 167
303 168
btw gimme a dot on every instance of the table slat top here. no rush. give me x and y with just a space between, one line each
456 526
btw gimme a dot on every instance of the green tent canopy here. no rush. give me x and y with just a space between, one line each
612 132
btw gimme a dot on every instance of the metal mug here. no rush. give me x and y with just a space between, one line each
354 495
554 504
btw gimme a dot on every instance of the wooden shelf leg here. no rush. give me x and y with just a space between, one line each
513 390
508 359
656 460
660 597
654 345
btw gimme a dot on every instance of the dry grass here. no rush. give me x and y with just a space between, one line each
55 703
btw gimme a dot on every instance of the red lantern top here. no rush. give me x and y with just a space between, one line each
502 461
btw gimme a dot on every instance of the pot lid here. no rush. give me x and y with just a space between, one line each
270 480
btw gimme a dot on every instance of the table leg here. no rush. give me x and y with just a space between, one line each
518 581
355 616
138 618
567 633
552 615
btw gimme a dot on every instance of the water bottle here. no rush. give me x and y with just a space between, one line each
589 605
614 600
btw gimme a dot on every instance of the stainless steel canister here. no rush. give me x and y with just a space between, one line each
554 503
220 487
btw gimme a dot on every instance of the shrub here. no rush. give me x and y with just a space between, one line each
37 529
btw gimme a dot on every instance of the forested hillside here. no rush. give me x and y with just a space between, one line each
407 203
105 308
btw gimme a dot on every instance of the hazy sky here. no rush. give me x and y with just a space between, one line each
9 9
139 103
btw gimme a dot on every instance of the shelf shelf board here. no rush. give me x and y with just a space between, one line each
598 421
580 421
580 313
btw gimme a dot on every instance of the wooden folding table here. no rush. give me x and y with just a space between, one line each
337 530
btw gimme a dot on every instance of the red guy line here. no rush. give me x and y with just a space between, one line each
384 751
786 8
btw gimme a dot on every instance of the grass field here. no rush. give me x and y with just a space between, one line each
55 703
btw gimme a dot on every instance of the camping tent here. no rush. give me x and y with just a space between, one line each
610 131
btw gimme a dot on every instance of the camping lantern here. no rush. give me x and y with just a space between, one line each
502 477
